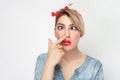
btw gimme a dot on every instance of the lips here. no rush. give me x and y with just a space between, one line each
66 42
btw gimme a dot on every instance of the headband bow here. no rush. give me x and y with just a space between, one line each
65 8
57 12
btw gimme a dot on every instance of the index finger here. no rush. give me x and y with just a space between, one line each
60 40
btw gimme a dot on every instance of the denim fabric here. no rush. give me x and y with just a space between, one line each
91 69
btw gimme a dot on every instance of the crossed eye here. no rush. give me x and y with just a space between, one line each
73 28
60 27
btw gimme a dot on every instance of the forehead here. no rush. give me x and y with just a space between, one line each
65 20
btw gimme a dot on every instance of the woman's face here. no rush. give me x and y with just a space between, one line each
65 27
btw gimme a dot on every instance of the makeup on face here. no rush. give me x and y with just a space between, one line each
66 42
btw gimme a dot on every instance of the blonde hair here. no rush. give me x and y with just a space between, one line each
75 17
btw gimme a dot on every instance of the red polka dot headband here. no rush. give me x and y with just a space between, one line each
65 8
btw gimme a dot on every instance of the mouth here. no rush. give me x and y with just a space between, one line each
66 42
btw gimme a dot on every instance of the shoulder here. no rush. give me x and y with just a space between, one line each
93 59
96 68
42 57
40 61
94 63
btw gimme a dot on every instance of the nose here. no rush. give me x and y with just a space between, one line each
67 33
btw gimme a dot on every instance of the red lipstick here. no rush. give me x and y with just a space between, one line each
66 42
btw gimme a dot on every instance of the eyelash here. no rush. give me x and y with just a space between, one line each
72 27
60 27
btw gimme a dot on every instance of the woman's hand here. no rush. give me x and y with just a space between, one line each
55 51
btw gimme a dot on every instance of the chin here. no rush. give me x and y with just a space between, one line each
67 49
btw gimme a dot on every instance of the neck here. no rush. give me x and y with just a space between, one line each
72 54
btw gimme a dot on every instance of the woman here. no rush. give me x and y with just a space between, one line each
64 60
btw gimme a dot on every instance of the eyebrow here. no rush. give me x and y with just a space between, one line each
60 24
63 24
72 24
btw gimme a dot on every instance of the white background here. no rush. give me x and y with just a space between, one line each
26 25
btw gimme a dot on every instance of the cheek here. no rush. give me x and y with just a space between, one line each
59 34
76 37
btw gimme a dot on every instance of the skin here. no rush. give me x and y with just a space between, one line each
68 29
63 55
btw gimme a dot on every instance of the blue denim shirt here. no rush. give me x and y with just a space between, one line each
91 69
